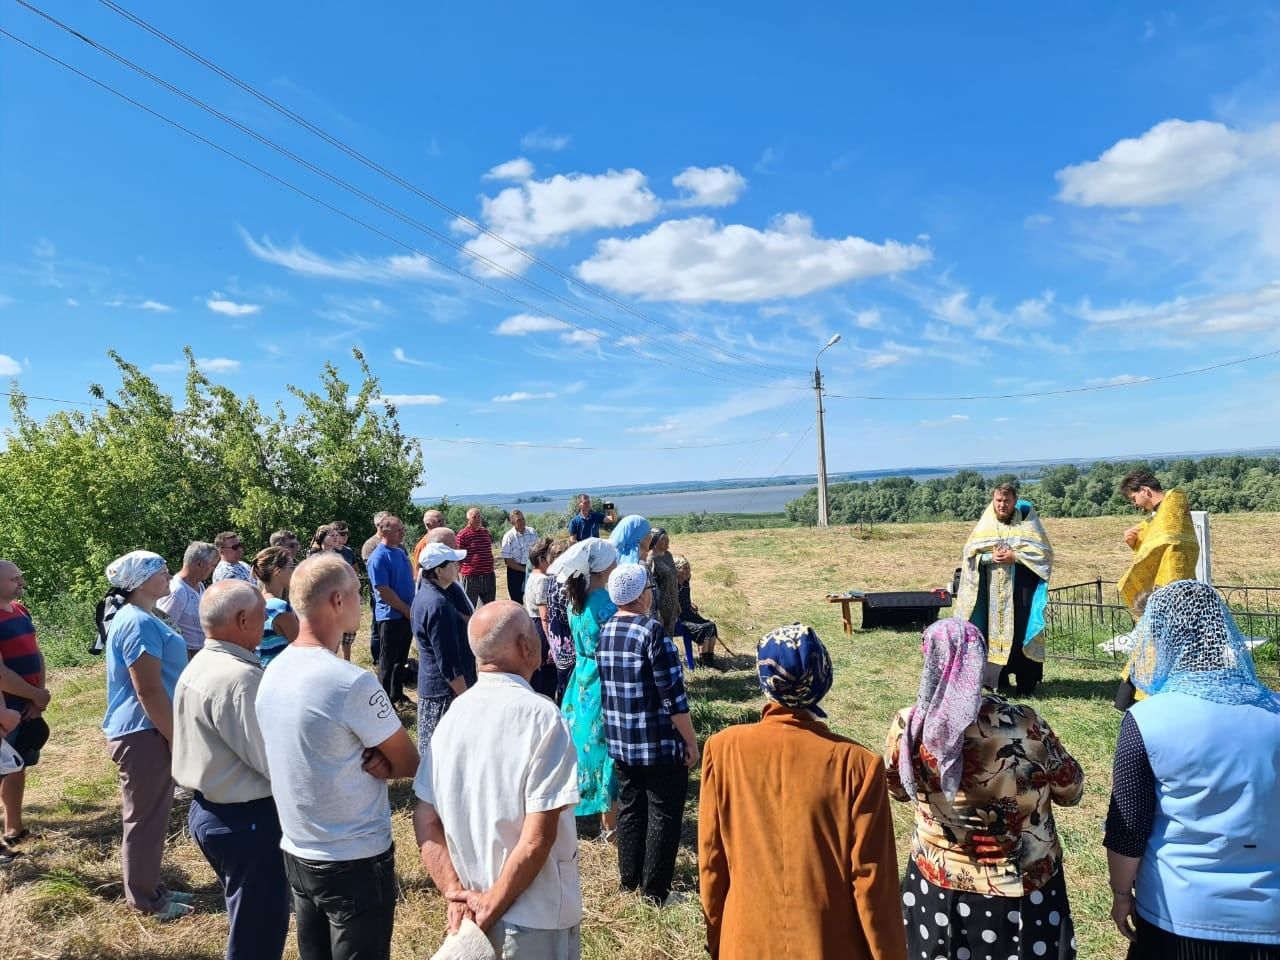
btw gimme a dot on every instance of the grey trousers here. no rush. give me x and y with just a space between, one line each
146 797
512 942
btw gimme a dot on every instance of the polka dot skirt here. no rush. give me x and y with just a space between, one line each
942 924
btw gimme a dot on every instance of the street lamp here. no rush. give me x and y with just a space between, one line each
822 442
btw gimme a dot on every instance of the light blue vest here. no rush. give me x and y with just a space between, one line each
1212 865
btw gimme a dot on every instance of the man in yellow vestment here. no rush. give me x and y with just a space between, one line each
1004 579
1164 546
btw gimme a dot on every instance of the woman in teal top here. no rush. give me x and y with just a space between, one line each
144 658
584 570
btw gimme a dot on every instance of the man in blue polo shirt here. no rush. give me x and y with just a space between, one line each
391 582
586 522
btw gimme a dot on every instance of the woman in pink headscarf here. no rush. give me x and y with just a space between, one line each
985 875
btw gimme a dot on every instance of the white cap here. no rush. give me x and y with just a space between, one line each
434 554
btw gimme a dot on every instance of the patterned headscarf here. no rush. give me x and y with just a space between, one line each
626 537
1188 642
794 668
948 702
131 571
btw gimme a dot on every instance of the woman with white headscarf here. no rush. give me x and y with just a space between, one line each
1192 847
584 570
144 658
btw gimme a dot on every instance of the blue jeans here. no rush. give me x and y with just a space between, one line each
241 841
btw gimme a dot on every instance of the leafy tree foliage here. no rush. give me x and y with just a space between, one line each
143 472
1216 484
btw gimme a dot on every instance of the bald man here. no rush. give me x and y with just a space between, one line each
477 569
333 740
218 754
22 681
432 519
496 790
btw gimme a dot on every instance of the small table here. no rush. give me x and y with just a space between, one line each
844 599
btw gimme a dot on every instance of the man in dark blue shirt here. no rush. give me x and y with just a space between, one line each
586 522
391 582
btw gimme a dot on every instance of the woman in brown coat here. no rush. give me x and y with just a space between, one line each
796 859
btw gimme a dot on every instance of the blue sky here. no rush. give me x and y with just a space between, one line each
978 199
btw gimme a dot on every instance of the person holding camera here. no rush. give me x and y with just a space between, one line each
586 522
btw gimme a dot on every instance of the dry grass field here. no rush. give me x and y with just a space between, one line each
63 899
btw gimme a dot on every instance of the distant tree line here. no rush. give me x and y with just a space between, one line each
1217 484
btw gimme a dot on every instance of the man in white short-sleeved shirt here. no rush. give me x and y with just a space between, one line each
332 741
516 544
496 790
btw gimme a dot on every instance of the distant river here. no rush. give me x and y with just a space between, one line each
746 500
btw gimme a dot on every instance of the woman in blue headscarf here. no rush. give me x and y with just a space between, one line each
631 539
1192 849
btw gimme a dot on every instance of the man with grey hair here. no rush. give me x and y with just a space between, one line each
218 754
182 606
432 519
287 539
496 790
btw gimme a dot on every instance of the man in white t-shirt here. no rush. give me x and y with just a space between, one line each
516 544
496 789
333 740
182 605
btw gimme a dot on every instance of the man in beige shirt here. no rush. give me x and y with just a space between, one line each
218 754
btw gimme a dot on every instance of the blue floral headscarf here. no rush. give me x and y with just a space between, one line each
794 668
626 538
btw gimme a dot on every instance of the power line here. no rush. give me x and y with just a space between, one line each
412 188
577 446
362 223
34 396
778 469
387 208
1136 381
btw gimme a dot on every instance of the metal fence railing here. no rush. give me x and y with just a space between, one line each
1084 620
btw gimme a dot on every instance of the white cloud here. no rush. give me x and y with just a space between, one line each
709 186
540 139
9 367
72 302
582 338
155 306
541 213
878 360
665 427
408 400
44 249
401 357
203 364
1170 163
867 319
697 260
524 323
521 396
359 269
1114 381
229 308
629 341
1246 311
517 169
574 440
952 420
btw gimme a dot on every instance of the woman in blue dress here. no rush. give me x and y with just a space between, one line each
584 570
274 569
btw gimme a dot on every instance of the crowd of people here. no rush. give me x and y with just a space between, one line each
561 713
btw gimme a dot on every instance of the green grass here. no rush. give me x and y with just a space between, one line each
64 899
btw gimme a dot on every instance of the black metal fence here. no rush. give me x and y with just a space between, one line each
1084 620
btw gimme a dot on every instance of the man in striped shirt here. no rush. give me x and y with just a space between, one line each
22 680
477 569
